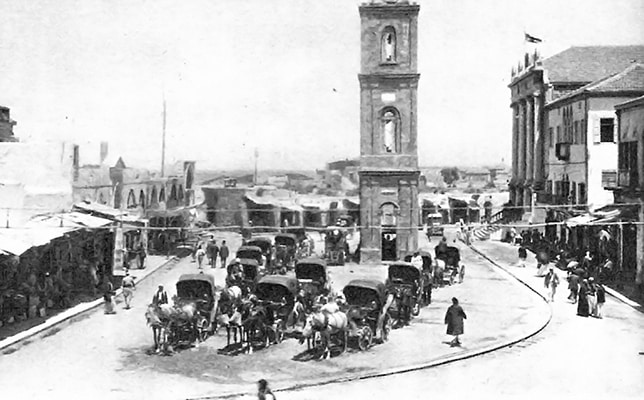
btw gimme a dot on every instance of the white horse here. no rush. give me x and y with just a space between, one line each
229 312
328 325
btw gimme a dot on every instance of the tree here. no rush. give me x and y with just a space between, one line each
450 175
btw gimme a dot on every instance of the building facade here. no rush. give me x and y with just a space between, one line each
630 182
537 82
389 174
581 140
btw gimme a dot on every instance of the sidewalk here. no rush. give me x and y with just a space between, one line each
154 263
505 256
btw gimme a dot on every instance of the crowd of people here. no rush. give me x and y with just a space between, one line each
585 276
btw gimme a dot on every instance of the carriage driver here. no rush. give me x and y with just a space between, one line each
236 274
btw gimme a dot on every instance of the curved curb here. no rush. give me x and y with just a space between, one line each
426 365
67 316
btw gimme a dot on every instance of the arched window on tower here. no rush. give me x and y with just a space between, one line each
388 44
131 200
390 121
142 199
388 213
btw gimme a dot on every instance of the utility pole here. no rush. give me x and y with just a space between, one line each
255 175
163 141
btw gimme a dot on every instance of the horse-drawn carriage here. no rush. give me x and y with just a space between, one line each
274 301
285 252
192 316
451 257
367 305
336 248
405 282
250 252
313 278
243 273
266 246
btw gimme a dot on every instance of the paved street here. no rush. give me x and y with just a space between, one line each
572 358
106 356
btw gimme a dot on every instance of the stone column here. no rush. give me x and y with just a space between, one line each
515 150
521 159
529 139
539 156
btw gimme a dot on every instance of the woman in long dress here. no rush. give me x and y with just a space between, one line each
454 320
582 302
109 298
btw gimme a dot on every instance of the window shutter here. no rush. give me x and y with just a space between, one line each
595 129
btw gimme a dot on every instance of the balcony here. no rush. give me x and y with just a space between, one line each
562 150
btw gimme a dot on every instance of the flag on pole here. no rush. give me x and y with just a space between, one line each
531 39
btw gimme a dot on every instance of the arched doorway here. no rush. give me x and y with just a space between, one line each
388 234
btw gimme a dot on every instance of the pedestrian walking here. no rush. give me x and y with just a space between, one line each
454 318
263 391
461 273
223 253
573 286
128 289
142 255
201 254
108 297
601 299
551 281
160 297
213 252
592 296
523 255
582 301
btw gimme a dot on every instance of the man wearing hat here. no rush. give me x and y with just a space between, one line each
128 289
160 297
551 281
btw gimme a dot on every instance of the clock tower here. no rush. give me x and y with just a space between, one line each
389 211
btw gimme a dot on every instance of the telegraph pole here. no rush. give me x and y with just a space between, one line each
163 142
255 175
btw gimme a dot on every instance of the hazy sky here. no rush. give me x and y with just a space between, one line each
239 75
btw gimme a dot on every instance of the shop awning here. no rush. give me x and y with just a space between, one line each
103 211
72 219
584 219
615 212
18 240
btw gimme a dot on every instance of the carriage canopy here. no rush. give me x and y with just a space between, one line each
362 292
195 286
253 252
313 269
250 268
277 288
403 272
263 243
285 239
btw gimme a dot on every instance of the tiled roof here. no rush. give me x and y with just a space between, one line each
629 80
631 103
590 63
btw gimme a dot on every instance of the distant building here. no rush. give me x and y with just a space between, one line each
342 175
537 82
6 125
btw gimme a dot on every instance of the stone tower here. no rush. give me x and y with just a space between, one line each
389 173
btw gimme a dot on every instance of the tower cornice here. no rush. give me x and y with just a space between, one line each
376 79
388 9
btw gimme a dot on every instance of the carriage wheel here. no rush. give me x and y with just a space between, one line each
416 308
202 329
386 328
365 339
